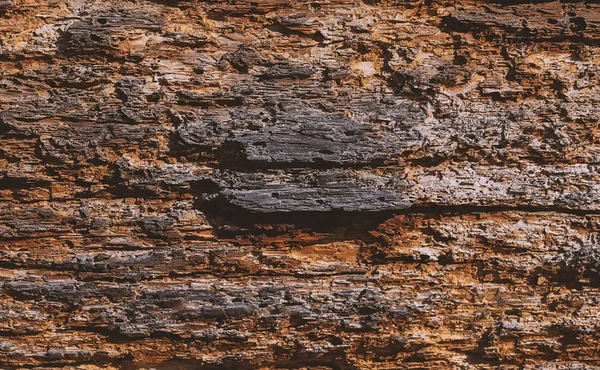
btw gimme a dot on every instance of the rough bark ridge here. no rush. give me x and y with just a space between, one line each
317 184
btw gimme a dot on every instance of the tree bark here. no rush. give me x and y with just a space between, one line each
299 185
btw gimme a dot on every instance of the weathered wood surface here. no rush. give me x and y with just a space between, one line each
299 184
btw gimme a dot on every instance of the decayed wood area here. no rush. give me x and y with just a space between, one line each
322 184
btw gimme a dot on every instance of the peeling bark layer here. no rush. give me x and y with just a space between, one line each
299 185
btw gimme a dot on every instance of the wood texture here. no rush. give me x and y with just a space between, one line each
315 185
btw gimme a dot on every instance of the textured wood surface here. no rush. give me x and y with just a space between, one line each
318 184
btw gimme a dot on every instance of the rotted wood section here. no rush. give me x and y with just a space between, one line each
299 184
